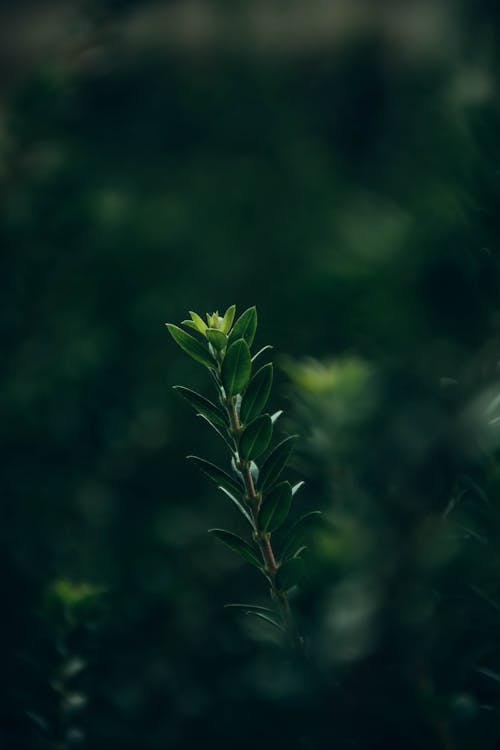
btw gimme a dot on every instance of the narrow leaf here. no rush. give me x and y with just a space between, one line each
248 607
276 507
198 321
238 545
190 324
256 437
257 393
254 472
296 532
276 416
239 505
216 475
202 405
261 351
276 462
245 327
219 432
296 487
236 368
227 320
217 338
191 346
290 574
267 618
488 673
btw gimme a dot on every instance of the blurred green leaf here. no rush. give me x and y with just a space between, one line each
297 531
267 618
290 574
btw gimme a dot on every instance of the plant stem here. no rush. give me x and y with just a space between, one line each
262 538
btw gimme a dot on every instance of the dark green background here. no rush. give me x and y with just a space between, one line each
343 176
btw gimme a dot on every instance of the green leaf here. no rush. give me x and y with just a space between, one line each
227 320
257 393
276 507
216 475
239 505
238 545
276 462
202 405
296 532
267 618
219 432
200 324
217 338
245 327
256 437
296 487
488 673
261 351
191 346
236 368
249 607
254 472
190 324
276 416
290 574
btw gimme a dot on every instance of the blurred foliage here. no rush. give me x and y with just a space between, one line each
336 164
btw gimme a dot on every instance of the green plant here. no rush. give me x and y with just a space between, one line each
258 491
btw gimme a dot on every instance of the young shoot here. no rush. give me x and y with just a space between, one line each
256 486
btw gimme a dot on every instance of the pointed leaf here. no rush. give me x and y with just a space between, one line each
290 574
219 432
190 324
248 607
261 351
245 327
296 487
227 320
276 507
276 416
236 368
276 462
267 618
217 338
238 545
254 472
256 437
202 405
198 321
239 505
191 346
296 532
216 475
256 394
